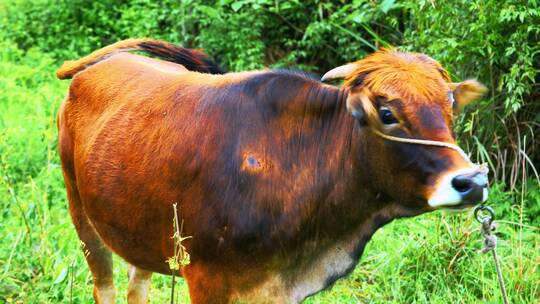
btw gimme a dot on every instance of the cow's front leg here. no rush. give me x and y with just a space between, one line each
206 285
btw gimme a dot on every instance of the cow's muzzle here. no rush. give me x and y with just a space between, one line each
470 186
458 189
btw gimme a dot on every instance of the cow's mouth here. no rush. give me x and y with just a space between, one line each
460 207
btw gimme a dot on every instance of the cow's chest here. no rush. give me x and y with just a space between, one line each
300 281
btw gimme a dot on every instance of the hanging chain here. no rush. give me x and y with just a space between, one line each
486 216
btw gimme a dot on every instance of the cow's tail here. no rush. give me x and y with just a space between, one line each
193 60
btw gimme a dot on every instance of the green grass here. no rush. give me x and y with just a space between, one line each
428 259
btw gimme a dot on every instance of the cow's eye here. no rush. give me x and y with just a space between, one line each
387 117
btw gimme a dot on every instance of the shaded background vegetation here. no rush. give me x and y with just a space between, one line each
494 41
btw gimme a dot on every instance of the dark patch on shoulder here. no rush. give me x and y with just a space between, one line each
253 162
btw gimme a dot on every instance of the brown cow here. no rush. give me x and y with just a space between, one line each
280 180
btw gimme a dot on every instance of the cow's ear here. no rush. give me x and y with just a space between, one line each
361 107
466 92
341 72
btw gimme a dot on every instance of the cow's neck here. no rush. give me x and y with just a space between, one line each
351 212
341 185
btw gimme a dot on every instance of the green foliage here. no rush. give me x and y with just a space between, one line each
429 259
31 194
244 34
496 42
246 28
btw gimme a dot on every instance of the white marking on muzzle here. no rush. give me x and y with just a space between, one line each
446 195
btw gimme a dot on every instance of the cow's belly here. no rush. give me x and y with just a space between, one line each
135 235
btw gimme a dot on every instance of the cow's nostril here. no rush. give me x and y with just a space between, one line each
462 183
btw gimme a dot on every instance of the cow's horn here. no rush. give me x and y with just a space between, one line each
340 72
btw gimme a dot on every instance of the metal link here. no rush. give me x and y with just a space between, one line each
479 214
490 241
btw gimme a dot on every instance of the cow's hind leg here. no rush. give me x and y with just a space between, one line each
206 285
139 285
98 256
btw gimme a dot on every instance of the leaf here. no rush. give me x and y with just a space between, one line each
357 17
209 11
386 5
236 6
61 276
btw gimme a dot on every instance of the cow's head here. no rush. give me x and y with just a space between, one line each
410 95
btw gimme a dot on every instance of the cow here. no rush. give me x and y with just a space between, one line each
280 179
